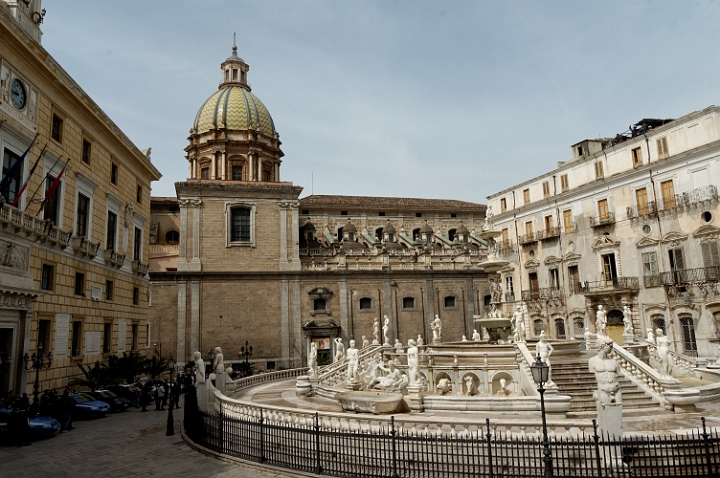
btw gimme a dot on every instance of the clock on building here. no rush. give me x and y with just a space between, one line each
18 95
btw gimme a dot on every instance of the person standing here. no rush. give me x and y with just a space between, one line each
138 393
176 392
146 394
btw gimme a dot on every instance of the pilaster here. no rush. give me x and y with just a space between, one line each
283 236
182 353
195 315
182 258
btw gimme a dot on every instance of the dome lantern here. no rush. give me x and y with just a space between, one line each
234 70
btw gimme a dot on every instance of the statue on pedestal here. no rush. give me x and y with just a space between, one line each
376 332
663 351
476 336
627 320
600 321
339 349
420 341
518 321
413 361
199 367
352 360
543 349
386 329
650 336
608 394
218 364
398 347
312 360
436 327
365 342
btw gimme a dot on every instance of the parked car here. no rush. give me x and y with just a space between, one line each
117 404
40 426
87 406
125 390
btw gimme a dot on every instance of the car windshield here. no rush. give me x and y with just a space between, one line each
109 394
84 397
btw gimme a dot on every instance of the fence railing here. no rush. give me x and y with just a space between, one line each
687 276
388 451
602 220
548 233
543 293
619 283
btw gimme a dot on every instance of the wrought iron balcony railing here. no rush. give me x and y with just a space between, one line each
643 210
549 233
544 293
652 281
603 220
618 284
527 238
690 276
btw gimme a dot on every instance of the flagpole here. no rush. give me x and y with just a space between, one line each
32 198
27 181
51 190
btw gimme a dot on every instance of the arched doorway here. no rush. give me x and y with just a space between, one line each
615 326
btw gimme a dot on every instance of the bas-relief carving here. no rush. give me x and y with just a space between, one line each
15 301
14 256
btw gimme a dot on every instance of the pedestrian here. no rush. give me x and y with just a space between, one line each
176 392
68 408
138 393
25 402
19 426
160 396
146 394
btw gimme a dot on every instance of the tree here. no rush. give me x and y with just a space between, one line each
156 366
127 367
97 377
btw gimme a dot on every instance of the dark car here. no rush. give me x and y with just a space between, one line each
125 390
117 404
41 427
87 406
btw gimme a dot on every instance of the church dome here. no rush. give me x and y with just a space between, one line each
233 107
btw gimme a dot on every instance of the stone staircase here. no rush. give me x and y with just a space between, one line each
573 378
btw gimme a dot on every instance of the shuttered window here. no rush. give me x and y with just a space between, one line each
710 255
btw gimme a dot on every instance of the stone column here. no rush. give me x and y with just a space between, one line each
223 166
182 258
430 301
286 351
388 309
181 352
251 167
343 298
297 323
277 171
283 236
213 166
260 169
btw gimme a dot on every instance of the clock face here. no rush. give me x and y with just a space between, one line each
18 94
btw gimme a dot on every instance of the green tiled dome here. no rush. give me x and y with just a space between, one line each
233 107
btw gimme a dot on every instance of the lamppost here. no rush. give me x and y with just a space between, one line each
541 372
246 351
37 362
170 420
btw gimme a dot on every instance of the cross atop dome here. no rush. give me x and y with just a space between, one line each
234 70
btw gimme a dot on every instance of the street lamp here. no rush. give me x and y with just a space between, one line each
170 420
541 373
37 362
246 351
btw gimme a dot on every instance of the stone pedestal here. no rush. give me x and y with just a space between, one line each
414 398
354 385
628 339
303 388
220 382
610 419
202 396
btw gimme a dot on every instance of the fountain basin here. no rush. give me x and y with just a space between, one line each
371 402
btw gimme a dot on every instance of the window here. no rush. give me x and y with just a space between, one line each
234 74
650 266
138 194
418 214
113 173
381 214
109 289
677 261
408 302
554 279
564 185
505 238
111 236
537 327
86 151
266 176
546 189
136 296
451 234
48 277
52 199
668 194
662 147
568 222
688 332
609 267
636 157
642 201
76 337
450 301
379 233
603 211
580 150
205 173
710 255
57 128
509 288
366 303
599 173
240 224
133 337
236 173
579 324
548 223
574 279
319 305
9 159
343 213
526 196
658 322
529 229
43 336
559 329
172 237
79 283
503 205
83 214
137 245
107 337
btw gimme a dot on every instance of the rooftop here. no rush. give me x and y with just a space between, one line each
372 202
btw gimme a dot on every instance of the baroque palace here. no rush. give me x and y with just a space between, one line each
74 217
238 260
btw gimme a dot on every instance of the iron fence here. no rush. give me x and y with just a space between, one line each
390 453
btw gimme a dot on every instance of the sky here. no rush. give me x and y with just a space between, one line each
408 98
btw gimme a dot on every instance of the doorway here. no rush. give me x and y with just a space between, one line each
534 289
615 326
6 358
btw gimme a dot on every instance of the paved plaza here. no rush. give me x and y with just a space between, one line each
123 445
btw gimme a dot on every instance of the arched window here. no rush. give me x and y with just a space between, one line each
416 234
319 305
559 328
408 302
379 233
688 333
537 327
579 324
172 237
451 234
340 234
450 301
717 320
658 322
366 303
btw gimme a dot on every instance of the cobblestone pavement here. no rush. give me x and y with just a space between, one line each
122 445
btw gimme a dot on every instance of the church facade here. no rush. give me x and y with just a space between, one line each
238 260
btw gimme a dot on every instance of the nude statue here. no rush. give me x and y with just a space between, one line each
312 360
413 361
385 329
469 385
543 349
365 342
518 321
420 341
600 321
393 381
376 332
464 339
398 347
339 349
606 370
352 360
663 351
476 336
436 326
199 367
627 320
218 364
650 336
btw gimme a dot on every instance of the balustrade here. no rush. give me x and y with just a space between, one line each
33 226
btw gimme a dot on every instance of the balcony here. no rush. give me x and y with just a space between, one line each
505 247
571 228
527 239
113 259
674 203
652 281
509 296
85 248
641 211
140 268
603 220
691 276
620 284
31 226
545 293
549 233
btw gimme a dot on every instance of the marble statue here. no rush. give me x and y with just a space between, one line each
365 342
352 360
627 320
199 367
218 363
663 351
526 313
503 387
488 219
606 371
398 347
518 321
444 386
371 377
339 349
650 336
413 361
436 327
476 336
544 349
420 341
469 385
394 381
312 361
495 291
586 338
464 339
600 321
386 329
376 332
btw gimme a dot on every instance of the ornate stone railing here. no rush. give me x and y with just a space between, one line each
525 358
335 373
42 230
259 379
83 247
114 259
685 362
643 375
140 268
